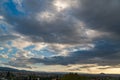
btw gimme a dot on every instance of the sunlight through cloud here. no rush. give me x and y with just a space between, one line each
61 5
45 16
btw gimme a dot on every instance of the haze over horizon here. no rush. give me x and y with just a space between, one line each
60 35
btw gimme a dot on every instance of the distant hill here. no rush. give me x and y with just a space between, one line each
8 69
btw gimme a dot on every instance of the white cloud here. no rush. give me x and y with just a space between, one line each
19 5
4 56
94 34
1 17
1 48
22 43
22 54
66 49
46 16
61 5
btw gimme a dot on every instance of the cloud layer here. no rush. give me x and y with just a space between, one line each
58 32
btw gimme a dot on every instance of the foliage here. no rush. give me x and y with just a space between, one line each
72 76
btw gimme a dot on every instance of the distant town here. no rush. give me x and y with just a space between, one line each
14 74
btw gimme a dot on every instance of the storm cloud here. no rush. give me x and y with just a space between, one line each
101 15
44 23
58 23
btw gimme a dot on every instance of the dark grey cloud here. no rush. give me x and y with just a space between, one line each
53 33
37 5
75 69
101 15
62 30
4 38
82 67
104 54
89 66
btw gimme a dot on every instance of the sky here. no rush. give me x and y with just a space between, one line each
60 35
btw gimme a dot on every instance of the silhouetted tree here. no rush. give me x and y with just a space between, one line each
73 76
9 75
